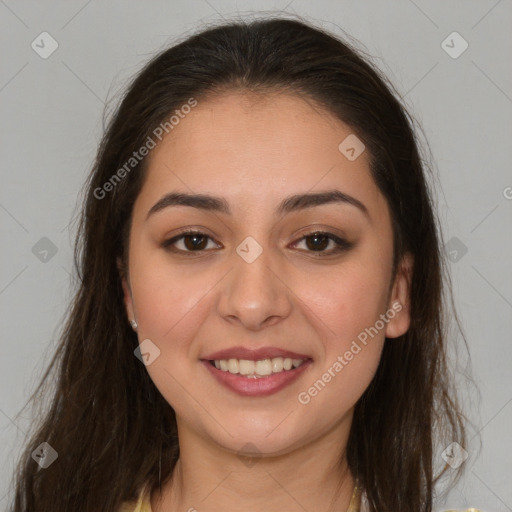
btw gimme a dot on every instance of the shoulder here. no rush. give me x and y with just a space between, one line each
141 504
365 507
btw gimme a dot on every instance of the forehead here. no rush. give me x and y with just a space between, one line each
277 126
258 148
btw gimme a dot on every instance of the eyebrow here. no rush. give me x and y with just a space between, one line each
292 203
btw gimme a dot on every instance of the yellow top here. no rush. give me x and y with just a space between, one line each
358 503
143 503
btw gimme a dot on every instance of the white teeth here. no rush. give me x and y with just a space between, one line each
255 369
264 367
277 364
246 367
233 366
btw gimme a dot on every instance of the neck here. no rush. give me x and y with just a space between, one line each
207 477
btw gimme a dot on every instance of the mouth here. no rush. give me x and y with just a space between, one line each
256 373
257 369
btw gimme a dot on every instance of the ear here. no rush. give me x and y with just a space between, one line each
128 302
399 301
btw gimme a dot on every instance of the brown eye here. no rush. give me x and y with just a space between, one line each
316 242
193 241
319 241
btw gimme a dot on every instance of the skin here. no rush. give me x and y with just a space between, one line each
254 151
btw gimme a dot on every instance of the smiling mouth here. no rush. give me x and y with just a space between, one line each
257 369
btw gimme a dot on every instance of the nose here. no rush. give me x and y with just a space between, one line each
255 293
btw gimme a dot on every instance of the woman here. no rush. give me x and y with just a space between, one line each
297 360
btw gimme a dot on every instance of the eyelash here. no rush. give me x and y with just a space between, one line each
342 244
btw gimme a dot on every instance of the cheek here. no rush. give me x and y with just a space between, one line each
352 352
347 307
170 305
348 299
168 300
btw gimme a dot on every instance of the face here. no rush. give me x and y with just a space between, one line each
271 273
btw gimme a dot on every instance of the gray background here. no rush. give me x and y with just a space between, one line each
51 121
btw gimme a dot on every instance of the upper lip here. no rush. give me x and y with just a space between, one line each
253 354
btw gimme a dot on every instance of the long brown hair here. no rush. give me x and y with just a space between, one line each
111 428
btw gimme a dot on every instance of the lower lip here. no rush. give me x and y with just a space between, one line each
263 386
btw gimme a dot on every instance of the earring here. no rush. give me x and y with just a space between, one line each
134 325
